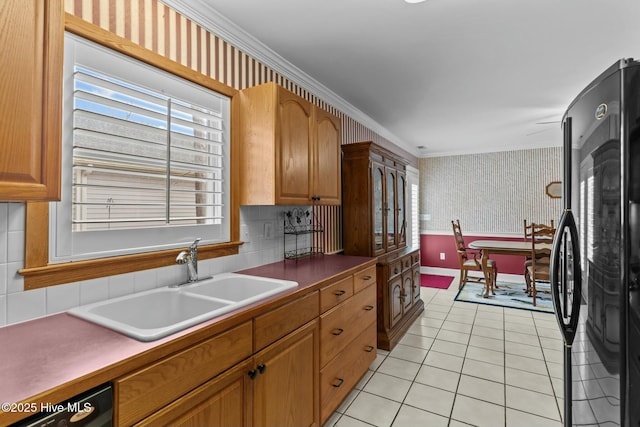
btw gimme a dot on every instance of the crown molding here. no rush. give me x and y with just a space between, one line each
201 12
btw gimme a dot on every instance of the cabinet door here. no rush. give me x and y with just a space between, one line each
30 105
407 290
294 167
401 211
326 181
391 209
221 402
415 289
395 300
379 224
286 388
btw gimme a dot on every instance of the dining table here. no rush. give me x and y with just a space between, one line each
504 247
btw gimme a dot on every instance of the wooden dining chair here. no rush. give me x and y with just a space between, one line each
528 229
538 268
470 260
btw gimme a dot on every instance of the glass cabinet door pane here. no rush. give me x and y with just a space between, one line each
390 211
378 178
402 224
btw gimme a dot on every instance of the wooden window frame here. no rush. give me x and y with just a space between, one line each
39 273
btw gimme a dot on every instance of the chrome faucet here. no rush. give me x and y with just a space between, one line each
190 258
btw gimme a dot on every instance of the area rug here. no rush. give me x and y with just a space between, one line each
508 294
435 281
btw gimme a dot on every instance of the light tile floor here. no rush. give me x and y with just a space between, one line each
463 364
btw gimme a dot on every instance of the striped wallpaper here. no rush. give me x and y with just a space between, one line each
159 28
491 193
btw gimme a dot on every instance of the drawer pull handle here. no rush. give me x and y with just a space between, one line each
338 331
368 348
367 278
252 373
339 293
338 383
369 308
261 368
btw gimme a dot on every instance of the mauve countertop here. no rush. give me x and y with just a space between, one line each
51 352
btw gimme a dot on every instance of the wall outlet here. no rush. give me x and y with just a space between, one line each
442 256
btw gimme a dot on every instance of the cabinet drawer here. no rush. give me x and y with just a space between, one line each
345 322
280 321
220 401
340 375
407 262
332 295
415 257
364 278
395 268
149 389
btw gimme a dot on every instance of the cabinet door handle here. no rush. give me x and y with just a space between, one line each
395 270
339 293
338 331
367 278
338 382
252 373
368 348
261 368
368 308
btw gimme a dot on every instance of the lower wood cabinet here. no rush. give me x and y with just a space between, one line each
342 373
150 389
291 366
276 387
399 302
347 340
222 401
285 381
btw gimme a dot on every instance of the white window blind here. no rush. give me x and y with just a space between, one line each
145 158
415 236
141 158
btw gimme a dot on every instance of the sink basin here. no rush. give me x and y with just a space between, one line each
239 288
151 315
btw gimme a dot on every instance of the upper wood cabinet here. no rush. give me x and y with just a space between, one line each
30 105
290 149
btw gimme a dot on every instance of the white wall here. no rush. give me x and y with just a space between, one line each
17 305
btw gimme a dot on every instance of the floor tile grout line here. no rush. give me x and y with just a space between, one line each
504 355
455 395
560 413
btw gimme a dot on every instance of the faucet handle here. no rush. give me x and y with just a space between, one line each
194 245
182 258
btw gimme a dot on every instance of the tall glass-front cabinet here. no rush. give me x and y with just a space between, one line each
374 187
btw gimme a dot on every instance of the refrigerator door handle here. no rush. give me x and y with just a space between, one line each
565 309
561 286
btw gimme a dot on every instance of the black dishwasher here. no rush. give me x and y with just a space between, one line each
93 408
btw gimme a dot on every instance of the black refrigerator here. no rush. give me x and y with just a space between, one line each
595 267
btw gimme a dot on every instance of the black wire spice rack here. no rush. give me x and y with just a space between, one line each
302 234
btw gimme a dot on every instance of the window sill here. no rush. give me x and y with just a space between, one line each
57 274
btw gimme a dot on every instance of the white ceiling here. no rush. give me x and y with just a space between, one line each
454 76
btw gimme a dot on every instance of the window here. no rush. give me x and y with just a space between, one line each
145 158
414 231
415 237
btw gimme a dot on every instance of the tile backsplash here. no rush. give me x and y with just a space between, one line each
17 305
